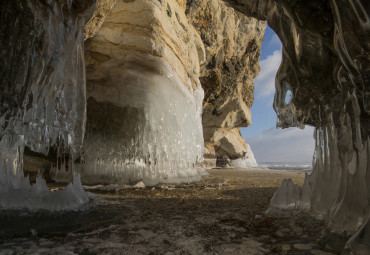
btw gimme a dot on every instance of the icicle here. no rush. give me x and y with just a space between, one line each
43 98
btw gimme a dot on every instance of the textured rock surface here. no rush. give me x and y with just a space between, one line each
226 142
103 8
162 31
144 95
325 66
232 43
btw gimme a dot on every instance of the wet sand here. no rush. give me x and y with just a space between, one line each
221 214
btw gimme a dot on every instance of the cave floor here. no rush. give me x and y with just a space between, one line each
221 214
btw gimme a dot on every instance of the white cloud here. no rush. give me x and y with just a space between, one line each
275 41
265 82
283 145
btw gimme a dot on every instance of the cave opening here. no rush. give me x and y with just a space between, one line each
273 147
37 114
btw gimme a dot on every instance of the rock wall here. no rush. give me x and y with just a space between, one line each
222 58
226 43
232 43
143 96
143 71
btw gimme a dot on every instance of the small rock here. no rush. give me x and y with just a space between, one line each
302 247
286 247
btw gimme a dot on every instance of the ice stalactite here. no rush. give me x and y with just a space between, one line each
338 187
325 68
43 98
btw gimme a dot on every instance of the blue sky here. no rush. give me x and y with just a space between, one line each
267 142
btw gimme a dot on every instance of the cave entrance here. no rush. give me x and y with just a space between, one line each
290 148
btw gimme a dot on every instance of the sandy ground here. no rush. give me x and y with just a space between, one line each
222 214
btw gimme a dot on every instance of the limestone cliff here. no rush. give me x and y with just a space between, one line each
143 95
232 43
102 9
227 49
205 41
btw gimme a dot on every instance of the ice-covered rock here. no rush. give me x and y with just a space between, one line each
42 99
227 147
246 161
144 97
325 68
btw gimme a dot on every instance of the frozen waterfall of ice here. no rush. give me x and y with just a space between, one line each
43 102
152 128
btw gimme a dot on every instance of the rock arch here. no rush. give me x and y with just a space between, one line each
325 66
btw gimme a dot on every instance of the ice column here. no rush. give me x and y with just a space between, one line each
144 97
148 129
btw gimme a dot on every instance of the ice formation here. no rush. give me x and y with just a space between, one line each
42 96
151 129
144 98
16 192
247 161
323 81
338 186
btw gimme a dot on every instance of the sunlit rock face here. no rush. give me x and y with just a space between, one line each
101 11
326 67
144 97
232 44
42 98
230 147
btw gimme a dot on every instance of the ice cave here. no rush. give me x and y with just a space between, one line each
117 92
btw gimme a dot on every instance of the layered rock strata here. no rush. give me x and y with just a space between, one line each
143 96
232 43
228 67
325 67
